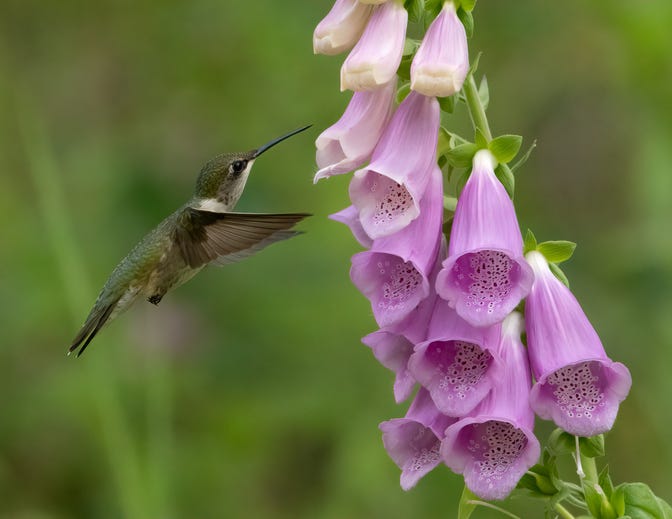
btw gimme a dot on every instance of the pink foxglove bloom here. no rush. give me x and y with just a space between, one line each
456 362
387 192
373 2
494 445
414 442
350 217
442 61
376 57
341 28
349 143
393 346
485 275
578 386
394 274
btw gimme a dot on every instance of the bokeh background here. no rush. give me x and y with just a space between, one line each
247 392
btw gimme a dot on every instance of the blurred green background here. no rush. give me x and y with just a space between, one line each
247 392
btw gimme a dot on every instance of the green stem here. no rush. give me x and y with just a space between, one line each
564 513
590 469
476 109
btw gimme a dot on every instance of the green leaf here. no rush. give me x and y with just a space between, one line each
416 9
604 480
447 104
537 481
503 173
465 509
593 499
505 147
433 7
462 180
592 447
667 509
449 203
480 139
557 251
524 158
410 46
530 242
561 442
444 142
557 271
467 20
484 93
474 64
404 70
462 155
457 139
467 5
403 91
640 501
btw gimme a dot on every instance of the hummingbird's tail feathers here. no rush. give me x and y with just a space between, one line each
96 320
206 237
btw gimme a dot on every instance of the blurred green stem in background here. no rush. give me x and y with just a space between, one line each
101 382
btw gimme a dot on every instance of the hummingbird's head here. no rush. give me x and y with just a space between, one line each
222 179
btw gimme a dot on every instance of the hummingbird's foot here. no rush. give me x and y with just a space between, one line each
155 299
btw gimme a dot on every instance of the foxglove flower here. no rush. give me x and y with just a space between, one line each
376 57
393 275
456 362
350 217
442 61
393 346
341 28
349 143
387 192
485 275
577 385
414 442
494 445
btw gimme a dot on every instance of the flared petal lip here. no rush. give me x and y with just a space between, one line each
619 389
457 459
520 291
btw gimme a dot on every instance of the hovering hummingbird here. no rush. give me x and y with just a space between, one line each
202 232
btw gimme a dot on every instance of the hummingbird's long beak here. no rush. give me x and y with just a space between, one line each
268 145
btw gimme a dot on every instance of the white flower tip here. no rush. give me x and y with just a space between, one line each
513 325
537 261
325 45
483 159
437 83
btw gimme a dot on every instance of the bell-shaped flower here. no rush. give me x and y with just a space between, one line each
377 55
393 345
457 361
394 274
341 28
577 385
494 445
349 143
441 63
350 217
373 2
485 275
387 192
414 442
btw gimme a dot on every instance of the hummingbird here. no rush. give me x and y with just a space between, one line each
204 231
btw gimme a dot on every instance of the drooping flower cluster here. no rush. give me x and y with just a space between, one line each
446 310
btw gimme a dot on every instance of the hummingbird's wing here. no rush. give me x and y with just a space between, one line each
205 237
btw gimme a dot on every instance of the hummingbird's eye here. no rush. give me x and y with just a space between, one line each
238 166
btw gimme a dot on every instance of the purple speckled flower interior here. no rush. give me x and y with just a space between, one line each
495 449
454 372
487 278
578 397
